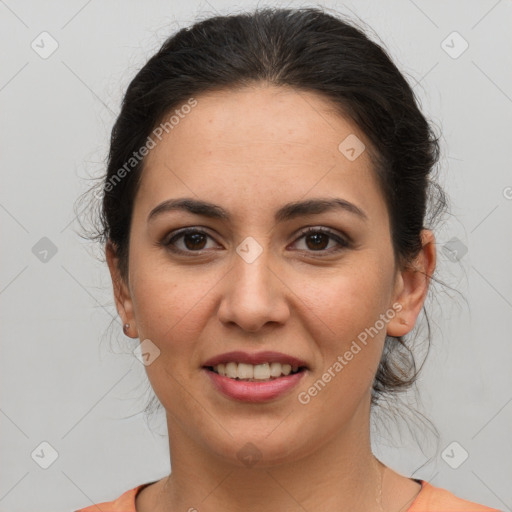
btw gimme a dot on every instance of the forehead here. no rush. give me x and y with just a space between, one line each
258 147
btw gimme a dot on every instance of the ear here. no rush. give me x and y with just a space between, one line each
412 286
122 295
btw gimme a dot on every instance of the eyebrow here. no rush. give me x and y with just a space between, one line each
287 212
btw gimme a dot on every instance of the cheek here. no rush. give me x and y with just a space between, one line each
163 294
346 307
349 349
171 310
347 300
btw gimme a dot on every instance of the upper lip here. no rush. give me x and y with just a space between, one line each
239 356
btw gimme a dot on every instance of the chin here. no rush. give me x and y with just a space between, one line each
261 451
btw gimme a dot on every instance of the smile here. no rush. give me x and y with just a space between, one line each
256 372
254 377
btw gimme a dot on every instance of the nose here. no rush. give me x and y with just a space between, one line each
254 294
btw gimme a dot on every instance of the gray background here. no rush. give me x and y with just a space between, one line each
64 382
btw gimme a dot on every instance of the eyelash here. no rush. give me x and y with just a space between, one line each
343 243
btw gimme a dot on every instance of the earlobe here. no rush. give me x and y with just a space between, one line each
412 287
121 291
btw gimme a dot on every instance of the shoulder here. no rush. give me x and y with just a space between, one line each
436 499
124 503
429 499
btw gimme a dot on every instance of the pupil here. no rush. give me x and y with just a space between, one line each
196 237
316 237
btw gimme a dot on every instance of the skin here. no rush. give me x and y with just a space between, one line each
251 151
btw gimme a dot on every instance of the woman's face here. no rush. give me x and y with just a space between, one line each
253 282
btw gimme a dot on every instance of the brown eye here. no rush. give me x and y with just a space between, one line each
192 240
318 239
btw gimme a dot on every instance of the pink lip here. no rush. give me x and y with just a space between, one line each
254 391
256 358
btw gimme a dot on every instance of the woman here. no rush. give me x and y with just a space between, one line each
264 218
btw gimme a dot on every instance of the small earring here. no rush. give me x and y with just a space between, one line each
403 321
125 328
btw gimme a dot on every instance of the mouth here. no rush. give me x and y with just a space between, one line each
262 372
255 367
257 377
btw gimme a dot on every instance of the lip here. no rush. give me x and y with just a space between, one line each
268 356
255 392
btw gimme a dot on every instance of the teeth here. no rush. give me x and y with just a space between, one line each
275 369
231 370
261 371
244 371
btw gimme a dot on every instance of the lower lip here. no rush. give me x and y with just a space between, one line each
254 391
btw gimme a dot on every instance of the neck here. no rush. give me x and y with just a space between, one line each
339 475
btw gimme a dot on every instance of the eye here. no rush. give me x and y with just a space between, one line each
193 240
317 240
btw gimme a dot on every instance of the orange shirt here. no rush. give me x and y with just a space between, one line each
429 499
